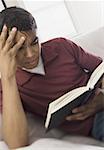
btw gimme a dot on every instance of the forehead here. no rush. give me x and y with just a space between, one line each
29 35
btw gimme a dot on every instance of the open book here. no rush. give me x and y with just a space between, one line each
62 107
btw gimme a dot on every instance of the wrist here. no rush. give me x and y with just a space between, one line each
101 90
101 99
6 79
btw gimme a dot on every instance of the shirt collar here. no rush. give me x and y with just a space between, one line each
39 69
48 54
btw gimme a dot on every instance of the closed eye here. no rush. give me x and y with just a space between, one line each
35 41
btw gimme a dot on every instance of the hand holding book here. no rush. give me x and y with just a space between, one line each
62 107
87 110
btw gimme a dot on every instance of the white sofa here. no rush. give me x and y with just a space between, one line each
55 139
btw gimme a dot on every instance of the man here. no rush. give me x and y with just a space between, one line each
34 75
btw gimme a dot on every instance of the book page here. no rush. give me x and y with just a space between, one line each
51 106
98 72
64 100
75 92
69 97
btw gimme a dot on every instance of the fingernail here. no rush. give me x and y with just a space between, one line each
23 38
74 111
4 27
14 29
68 118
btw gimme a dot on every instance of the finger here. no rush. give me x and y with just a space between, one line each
79 109
17 46
3 36
79 116
82 117
10 39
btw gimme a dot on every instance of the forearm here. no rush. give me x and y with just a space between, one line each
15 129
101 97
102 83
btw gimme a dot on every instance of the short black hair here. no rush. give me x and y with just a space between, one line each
17 17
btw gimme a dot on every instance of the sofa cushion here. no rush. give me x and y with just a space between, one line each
92 42
55 144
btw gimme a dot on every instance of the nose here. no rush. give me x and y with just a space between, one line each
29 52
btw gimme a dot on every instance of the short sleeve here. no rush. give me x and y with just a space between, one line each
84 59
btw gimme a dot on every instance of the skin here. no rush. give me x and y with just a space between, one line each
89 109
19 50
28 54
79 113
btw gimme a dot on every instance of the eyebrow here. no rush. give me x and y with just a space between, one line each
31 42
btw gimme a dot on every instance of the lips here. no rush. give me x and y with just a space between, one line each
29 61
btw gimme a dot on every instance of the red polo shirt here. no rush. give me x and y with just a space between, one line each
65 65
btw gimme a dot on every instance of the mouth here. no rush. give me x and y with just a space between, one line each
31 61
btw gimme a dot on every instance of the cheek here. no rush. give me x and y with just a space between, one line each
20 58
35 49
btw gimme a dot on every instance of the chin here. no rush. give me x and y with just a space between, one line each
30 66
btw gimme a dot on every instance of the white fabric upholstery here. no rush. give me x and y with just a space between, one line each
92 42
55 144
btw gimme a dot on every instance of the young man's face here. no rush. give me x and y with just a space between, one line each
28 55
